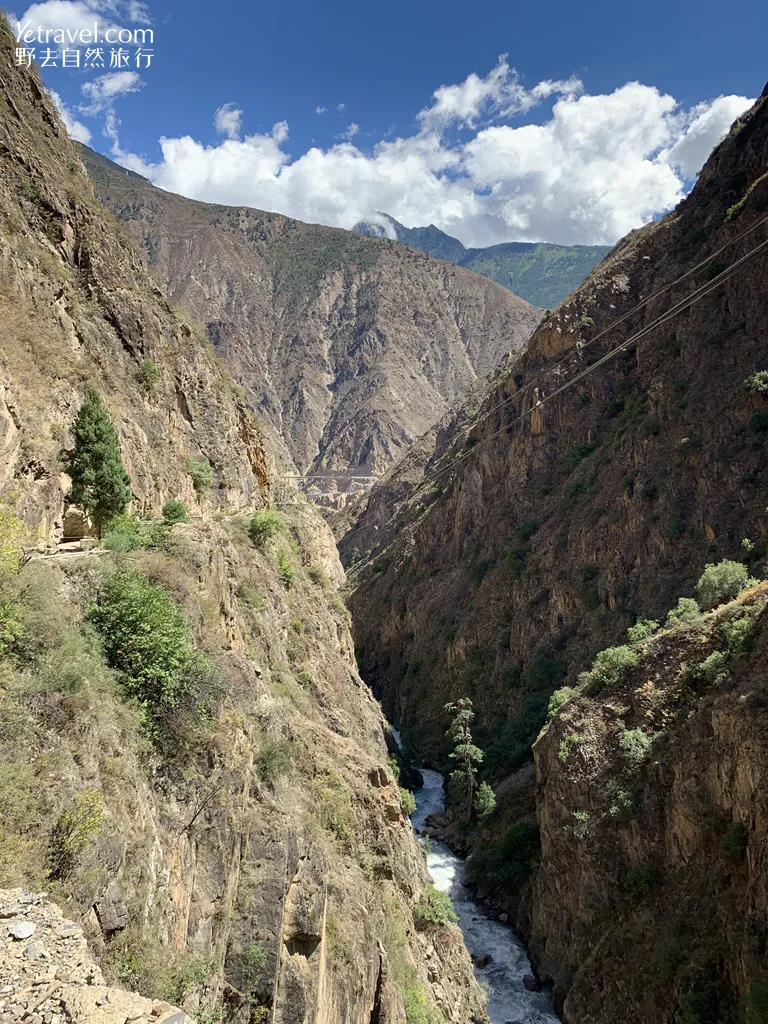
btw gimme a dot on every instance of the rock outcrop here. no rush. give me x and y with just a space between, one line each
650 900
47 975
348 347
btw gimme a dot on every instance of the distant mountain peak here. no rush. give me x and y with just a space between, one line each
542 273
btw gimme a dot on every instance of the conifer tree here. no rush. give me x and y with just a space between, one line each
100 484
466 755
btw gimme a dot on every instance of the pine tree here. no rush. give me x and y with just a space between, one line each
466 755
100 484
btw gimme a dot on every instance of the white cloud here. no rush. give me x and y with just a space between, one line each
709 124
104 90
138 12
76 16
593 169
76 129
498 94
70 15
341 107
351 131
227 121
320 110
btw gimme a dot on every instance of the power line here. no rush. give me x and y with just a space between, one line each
682 304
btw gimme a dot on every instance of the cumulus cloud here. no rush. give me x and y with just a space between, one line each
320 110
499 94
76 129
586 170
104 90
709 123
227 121
76 16
341 107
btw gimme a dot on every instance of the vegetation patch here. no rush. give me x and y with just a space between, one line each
433 909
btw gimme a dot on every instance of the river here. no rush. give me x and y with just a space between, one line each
502 980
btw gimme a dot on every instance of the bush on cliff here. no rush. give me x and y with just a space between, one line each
722 582
148 641
434 909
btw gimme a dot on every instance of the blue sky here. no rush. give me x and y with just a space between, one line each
491 157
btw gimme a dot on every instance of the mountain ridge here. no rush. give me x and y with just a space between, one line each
543 273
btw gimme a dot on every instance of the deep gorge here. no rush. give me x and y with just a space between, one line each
200 706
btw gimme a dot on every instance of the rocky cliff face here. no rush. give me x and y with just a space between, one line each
349 347
257 864
78 308
650 899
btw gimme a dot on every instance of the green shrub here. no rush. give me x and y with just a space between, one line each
739 629
623 804
254 969
685 613
576 455
635 746
721 583
11 627
408 800
318 575
734 841
609 668
485 801
334 809
559 698
641 630
73 831
304 678
201 473
275 759
757 383
756 1003
513 745
543 672
510 860
676 528
714 669
265 524
147 374
478 572
434 909
286 570
758 424
641 880
14 536
148 641
416 1006
122 534
174 511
